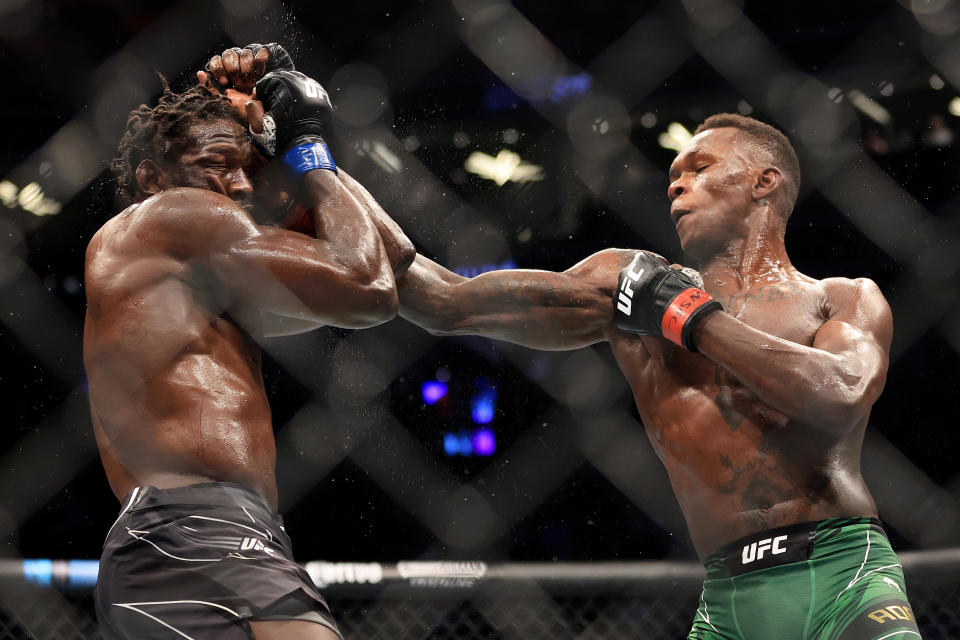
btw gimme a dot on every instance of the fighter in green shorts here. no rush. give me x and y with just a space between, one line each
754 383
832 580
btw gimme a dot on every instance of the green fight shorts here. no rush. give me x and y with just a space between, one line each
838 579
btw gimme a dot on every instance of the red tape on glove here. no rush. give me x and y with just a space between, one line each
679 311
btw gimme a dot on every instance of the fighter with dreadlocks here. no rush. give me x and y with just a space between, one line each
180 287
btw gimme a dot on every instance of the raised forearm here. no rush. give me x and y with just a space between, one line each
400 251
811 385
350 237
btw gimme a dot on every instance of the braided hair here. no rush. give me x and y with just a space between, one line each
160 133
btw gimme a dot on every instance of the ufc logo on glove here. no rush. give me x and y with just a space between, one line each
625 302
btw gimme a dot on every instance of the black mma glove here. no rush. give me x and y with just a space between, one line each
301 109
654 299
279 59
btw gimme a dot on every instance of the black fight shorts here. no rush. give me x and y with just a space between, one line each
200 562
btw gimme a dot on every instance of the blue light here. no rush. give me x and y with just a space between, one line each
471 271
482 409
82 573
432 391
568 87
451 444
466 445
38 571
484 442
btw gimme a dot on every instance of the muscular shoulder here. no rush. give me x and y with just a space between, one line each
604 263
184 220
858 302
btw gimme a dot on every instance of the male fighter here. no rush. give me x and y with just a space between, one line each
754 387
761 431
180 286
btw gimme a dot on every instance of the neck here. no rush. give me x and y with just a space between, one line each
758 257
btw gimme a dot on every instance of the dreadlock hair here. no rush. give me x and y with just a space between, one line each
160 133
770 140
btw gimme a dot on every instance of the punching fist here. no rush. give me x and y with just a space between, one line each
239 68
654 299
302 111
277 57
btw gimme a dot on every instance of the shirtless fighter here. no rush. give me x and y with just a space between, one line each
180 286
754 387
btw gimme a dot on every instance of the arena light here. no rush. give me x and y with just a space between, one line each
869 107
483 405
382 156
507 166
675 137
954 107
479 442
570 87
484 442
471 271
30 198
433 391
451 444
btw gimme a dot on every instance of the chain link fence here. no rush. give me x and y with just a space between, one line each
473 601
344 415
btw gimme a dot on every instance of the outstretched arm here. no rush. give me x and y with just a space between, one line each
537 309
831 384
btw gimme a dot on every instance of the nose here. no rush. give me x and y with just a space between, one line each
675 189
239 184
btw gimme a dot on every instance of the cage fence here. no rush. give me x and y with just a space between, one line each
446 600
644 600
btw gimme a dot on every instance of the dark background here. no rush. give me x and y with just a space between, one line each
362 469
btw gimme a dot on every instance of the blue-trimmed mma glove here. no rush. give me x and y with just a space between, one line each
302 111
655 299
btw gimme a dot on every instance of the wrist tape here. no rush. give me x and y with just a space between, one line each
267 141
683 313
307 157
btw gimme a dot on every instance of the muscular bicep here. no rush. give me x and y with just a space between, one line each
290 274
267 268
538 309
859 332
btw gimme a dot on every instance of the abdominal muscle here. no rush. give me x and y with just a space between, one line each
736 466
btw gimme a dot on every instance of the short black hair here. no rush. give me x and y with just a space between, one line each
771 140
159 133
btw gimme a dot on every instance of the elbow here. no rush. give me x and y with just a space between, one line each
386 302
844 412
406 255
379 304
844 398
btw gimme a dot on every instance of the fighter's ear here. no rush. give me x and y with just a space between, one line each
768 181
151 178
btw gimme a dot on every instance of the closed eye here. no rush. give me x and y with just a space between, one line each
212 161
702 167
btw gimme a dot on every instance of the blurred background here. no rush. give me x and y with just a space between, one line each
498 134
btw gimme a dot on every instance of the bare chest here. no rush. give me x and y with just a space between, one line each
659 371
